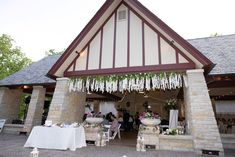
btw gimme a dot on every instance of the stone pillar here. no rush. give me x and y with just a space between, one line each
66 106
96 106
199 113
35 109
10 103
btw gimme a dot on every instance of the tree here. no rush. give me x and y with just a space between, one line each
52 52
11 58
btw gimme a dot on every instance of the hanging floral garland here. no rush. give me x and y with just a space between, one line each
128 82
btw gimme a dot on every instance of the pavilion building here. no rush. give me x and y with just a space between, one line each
124 51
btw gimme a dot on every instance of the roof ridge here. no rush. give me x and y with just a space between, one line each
219 36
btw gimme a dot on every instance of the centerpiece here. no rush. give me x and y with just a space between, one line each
150 119
170 105
94 118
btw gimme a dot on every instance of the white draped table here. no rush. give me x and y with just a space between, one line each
56 138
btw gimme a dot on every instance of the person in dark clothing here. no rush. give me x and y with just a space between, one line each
126 117
131 122
108 116
84 117
137 120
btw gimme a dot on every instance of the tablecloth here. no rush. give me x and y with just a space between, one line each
56 138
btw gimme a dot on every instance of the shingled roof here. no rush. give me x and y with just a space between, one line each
34 74
220 50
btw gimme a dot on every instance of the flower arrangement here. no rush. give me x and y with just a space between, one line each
126 82
170 105
149 115
172 132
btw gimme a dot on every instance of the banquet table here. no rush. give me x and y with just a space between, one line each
56 138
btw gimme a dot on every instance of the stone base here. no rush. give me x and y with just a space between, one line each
149 137
13 129
94 133
176 142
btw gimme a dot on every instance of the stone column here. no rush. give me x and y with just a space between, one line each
10 103
96 106
66 106
199 113
35 109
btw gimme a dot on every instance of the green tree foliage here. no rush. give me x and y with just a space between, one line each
11 58
52 52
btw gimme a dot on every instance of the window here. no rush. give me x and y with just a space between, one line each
122 15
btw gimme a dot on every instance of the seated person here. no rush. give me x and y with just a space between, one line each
108 116
120 121
114 125
105 121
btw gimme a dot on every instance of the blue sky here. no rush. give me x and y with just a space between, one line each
40 25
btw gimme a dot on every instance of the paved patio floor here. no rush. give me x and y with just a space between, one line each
12 146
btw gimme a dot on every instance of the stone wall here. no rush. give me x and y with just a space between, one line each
66 106
10 103
176 142
35 109
199 113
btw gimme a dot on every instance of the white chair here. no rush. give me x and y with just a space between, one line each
2 123
116 133
107 132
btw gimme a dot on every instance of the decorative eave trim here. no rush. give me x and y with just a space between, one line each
154 68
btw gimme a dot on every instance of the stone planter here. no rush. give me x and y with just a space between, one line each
150 122
94 120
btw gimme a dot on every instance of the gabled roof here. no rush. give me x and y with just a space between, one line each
219 49
96 22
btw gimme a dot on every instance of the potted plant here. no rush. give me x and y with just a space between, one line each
170 105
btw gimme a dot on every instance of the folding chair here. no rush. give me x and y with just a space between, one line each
107 132
117 132
2 122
